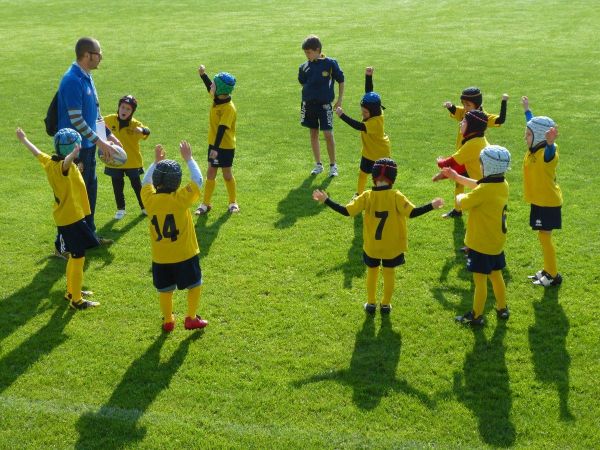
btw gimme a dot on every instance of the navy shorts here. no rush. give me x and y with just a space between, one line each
224 157
374 262
315 115
120 173
483 263
545 217
185 275
76 238
366 165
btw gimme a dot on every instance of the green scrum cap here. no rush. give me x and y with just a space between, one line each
224 83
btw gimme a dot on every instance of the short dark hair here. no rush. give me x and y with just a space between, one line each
312 42
86 45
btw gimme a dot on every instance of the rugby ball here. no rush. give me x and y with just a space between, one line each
116 157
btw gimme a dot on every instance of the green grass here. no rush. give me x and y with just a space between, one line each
289 359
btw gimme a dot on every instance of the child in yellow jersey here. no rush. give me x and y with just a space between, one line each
471 99
71 206
221 138
175 262
486 230
542 191
375 143
384 228
130 132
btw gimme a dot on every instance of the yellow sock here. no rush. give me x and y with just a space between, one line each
209 188
69 276
372 275
166 306
389 281
231 189
193 301
362 181
76 277
458 189
499 288
549 252
480 293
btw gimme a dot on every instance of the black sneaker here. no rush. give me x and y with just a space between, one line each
451 214
385 309
468 319
83 304
503 313
370 308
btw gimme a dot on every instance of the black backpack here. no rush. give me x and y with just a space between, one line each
51 119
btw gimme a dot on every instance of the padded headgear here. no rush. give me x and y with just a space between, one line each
166 176
372 102
65 141
130 100
476 122
384 169
224 83
495 160
538 127
472 94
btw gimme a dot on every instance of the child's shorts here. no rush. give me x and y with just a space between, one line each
316 115
545 217
366 165
185 275
224 157
483 263
120 173
375 262
77 238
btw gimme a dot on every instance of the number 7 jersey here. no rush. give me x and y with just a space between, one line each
172 231
384 224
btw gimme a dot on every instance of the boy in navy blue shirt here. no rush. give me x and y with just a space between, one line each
317 77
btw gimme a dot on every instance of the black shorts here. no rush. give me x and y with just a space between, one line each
483 263
366 165
315 115
185 275
545 217
224 157
77 237
120 173
374 262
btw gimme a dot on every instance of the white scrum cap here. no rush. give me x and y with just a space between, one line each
538 127
495 160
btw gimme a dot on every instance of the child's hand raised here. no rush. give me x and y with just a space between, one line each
339 111
369 70
504 97
186 150
551 135
525 102
447 105
201 70
319 195
159 153
21 136
437 203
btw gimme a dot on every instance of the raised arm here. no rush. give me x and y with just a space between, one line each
369 79
205 78
502 117
22 137
186 153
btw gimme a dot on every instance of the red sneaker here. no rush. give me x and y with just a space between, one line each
196 322
168 326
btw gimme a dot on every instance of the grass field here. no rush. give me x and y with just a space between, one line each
289 359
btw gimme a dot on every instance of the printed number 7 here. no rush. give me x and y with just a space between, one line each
379 231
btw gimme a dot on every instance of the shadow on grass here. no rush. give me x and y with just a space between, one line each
547 341
208 234
458 259
372 371
115 425
483 386
298 202
39 344
353 267
106 231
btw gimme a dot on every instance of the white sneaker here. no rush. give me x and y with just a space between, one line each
333 172
120 214
202 209
317 169
233 208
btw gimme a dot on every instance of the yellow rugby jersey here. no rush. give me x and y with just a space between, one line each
539 179
459 115
384 224
468 155
71 203
170 223
375 143
222 114
130 140
486 223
